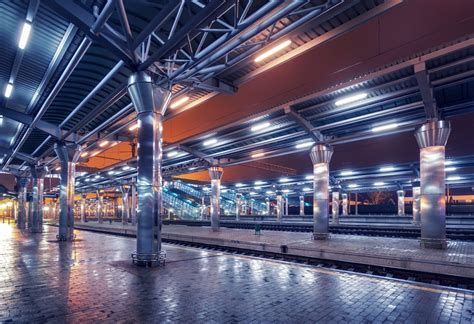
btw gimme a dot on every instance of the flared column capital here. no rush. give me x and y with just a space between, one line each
321 153
433 133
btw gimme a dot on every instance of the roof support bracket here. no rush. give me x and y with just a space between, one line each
426 90
306 125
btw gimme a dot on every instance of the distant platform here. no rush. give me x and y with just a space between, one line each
397 253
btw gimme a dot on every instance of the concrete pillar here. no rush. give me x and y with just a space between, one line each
22 183
432 138
335 207
83 207
68 156
150 103
100 208
267 206
401 202
125 190
134 204
301 205
279 206
215 173
238 206
416 205
321 156
345 205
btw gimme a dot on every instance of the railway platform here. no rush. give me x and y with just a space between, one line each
386 252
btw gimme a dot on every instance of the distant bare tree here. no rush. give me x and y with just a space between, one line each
381 197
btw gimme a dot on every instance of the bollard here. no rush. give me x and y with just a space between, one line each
258 228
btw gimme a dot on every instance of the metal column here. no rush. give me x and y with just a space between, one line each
68 156
100 210
267 205
345 205
150 103
321 156
134 205
37 174
216 174
416 205
335 207
125 189
22 183
301 205
238 198
401 202
286 205
356 204
83 207
279 206
432 138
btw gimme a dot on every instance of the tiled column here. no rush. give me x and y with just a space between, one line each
215 173
401 202
345 205
321 156
301 205
432 138
68 155
335 207
416 205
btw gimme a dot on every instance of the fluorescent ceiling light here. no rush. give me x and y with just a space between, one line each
384 127
453 178
210 142
387 169
58 168
253 193
97 177
273 50
448 162
304 144
8 90
104 143
378 184
259 183
260 126
269 192
126 168
111 172
84 154
449 169
309 177
179 102
347 173
306 189
257 187
349 99
284 180
239 184
172 153
285 190
25 33
192 168
352 185
257 155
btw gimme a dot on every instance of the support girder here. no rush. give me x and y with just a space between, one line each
426 90
303 123
42 125
22 156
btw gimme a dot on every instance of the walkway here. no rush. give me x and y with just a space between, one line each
456 260
93 280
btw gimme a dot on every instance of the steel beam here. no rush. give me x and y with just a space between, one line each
426 90
306 125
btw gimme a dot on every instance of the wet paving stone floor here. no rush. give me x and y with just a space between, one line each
93 280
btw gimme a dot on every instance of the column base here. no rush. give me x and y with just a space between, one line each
215 229
321 236
66 238
149 259
433 243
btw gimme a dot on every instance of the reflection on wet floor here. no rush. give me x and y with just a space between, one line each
93 279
